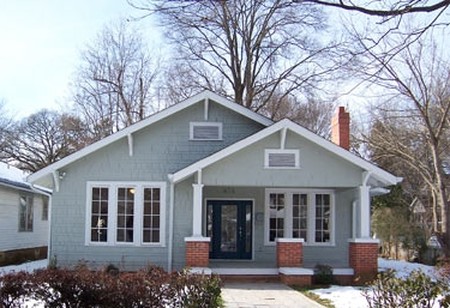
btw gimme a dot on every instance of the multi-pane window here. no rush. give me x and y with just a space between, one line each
126 213
276 216
99 214
301 214
152 215
26 214
323 209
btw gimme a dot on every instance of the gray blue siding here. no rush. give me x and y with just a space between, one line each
159 149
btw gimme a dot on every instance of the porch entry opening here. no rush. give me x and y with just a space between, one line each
229 225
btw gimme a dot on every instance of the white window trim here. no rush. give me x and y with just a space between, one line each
267 152
138 212
311 224
193 124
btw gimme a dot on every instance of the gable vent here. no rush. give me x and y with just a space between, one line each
282 159
205 131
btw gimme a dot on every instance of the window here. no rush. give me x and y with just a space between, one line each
276 216
205 131
152 215
25 214
126 213
323 209
305 214
299 216
44 208
99 214
281 159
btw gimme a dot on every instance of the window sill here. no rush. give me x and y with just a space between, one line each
131 245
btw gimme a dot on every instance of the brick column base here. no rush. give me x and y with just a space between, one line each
363 258
289 252
197 251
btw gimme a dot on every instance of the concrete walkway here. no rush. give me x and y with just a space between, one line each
259 295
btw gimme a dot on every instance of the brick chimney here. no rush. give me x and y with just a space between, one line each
340 128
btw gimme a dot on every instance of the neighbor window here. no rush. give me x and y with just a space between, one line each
26 214
44 208
302 214
130 213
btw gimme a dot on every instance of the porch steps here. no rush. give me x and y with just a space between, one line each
247 274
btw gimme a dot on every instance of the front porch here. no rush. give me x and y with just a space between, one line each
245 250
288 268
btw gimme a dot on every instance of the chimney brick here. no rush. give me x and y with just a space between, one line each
340 128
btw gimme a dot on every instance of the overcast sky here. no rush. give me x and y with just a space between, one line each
40 43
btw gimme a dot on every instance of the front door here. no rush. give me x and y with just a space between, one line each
229 224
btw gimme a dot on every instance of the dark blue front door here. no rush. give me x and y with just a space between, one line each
229 224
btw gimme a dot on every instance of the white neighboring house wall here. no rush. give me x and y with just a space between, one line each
12 188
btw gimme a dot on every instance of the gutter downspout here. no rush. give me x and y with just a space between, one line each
171 207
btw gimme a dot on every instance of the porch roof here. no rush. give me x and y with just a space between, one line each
377 176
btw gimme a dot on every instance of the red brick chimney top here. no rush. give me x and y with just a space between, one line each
340 128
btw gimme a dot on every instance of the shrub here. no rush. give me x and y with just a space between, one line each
417 290
323 274
84 288
14 288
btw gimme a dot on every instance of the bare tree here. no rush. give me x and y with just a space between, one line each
248 50
311 113
43 138
385 8
114 82
412 126
5 124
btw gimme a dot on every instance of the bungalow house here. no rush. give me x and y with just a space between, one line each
23 218
213 186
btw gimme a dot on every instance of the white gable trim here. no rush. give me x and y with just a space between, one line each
378 173
124 133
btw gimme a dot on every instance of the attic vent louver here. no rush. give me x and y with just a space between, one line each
205 131
282 159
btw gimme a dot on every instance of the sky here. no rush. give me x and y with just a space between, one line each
40 45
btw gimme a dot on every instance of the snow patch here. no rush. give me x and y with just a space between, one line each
12 173
28 267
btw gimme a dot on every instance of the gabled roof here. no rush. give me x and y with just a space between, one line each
49 170
385 178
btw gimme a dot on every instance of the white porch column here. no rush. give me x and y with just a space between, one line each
364 211
197 210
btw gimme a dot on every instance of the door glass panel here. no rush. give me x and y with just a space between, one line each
209 225
248 228
229 228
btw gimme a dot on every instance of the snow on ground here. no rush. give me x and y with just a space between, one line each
28 267
403 269
344 297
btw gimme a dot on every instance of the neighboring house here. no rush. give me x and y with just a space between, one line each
211 185
23 218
